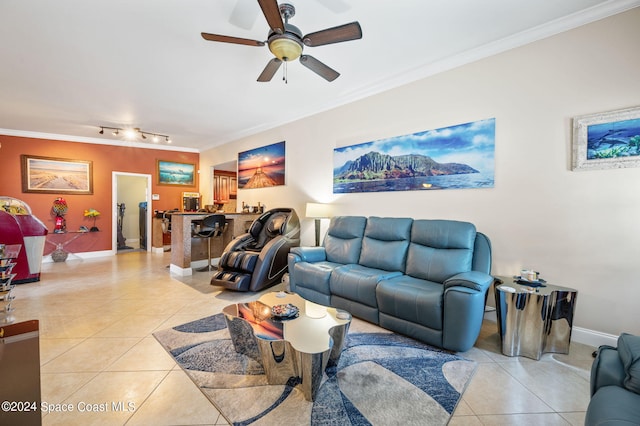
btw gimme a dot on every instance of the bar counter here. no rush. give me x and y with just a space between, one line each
184 250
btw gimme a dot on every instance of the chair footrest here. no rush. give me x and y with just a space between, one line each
232 280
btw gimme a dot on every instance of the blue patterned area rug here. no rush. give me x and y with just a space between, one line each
382 378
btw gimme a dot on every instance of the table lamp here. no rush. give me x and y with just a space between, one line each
318 211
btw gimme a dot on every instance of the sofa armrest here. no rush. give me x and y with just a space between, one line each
302 254
473 279
607 369
629 352
309 254
463 312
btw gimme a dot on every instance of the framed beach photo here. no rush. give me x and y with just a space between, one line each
607 140
172 173
56 175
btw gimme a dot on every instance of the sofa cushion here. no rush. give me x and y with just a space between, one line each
629 351
440 249
385 243
412 299
343 241
358 283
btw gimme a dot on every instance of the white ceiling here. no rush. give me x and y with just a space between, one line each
70 66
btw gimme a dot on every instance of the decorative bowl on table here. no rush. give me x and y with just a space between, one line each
539 282
285 311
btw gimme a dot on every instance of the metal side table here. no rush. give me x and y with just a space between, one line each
534 320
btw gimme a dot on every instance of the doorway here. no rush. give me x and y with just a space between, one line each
225 186
131 209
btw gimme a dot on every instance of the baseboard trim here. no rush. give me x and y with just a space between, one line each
592 337
581 335
177 270
94 254
80 256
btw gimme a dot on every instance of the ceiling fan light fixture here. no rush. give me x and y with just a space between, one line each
285 48
286 41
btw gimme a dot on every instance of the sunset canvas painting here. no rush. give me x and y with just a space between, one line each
262 167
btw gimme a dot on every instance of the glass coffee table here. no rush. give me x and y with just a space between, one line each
294 348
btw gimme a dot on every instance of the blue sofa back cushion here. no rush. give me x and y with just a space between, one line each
440 249
443 234
343 241
385 243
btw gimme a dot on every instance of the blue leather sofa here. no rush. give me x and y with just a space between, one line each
426 279
615 384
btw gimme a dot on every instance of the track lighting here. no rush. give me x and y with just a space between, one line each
132 133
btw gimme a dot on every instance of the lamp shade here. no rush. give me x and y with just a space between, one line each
318 211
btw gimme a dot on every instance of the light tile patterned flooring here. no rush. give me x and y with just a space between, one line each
97 317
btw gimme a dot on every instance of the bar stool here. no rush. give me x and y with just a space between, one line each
212 226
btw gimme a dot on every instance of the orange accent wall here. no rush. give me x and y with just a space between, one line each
106 159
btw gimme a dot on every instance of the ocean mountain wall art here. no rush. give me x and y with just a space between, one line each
460 156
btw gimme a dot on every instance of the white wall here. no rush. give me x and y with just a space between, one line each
580 229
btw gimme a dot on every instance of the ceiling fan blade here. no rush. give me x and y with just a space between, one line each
229 39
270 70
271 12
319 68
244 14
346 32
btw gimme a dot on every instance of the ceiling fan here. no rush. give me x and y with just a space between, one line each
286 41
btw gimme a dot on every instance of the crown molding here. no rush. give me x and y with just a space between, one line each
548 29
